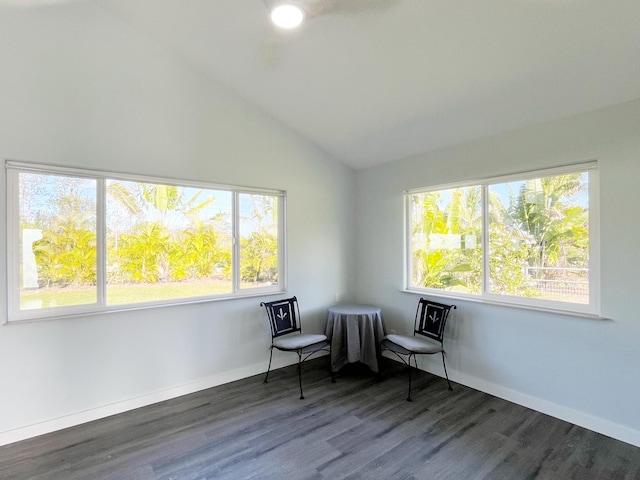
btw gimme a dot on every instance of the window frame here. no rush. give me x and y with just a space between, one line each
592 309
14 314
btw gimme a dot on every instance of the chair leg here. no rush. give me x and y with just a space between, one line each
445 371
409 367
300 374
266 378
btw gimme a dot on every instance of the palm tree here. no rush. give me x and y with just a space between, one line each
142 256
259 257
542 235
259 238
545 209
200 252
66 254
455 261
155 208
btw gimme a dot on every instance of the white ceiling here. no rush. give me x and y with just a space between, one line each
371 81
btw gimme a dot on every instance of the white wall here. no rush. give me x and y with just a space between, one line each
583 370
79 88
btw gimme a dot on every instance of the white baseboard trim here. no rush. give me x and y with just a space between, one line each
71 420
605 427
590 422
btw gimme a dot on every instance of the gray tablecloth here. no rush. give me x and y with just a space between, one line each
355 333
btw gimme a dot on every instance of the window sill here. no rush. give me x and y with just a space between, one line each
485 301
63 315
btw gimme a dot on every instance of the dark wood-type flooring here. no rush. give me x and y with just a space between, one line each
358 428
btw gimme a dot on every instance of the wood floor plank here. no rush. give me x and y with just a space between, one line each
358 428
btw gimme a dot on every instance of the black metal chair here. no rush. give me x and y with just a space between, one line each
429 323
284 319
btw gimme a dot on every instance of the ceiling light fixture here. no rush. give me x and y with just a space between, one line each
287 16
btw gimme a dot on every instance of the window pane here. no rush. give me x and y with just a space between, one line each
539 238
57 228
166 242
258 240
446 234
86 242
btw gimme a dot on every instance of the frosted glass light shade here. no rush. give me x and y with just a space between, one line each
287 16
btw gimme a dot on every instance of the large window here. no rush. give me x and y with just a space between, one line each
83 241
525 239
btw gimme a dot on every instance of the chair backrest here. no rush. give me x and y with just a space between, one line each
431 318
284 316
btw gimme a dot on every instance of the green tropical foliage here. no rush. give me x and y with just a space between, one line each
540 234
259 260
557 229
259 240
200 252
144 254
67 252
156 234
446 244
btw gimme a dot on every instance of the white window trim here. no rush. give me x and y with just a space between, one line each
13 313
591 310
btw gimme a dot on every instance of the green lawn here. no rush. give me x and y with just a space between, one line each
120 294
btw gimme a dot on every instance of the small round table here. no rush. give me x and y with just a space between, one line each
355 332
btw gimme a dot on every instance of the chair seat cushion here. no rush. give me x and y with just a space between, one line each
415 344
296 342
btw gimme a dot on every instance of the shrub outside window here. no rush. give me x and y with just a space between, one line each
526 239
83 241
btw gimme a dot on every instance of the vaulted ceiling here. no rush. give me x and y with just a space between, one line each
371 81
